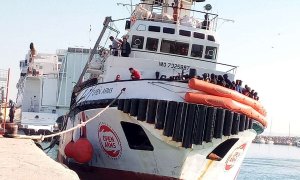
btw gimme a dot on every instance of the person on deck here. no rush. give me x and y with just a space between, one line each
135 75
205 76
255 96
206 22
228 82
246 91
12 114
238 86
213 78
11 111
175 10
114 45
125 47
220 81
118 77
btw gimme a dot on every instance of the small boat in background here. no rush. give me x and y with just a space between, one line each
37 88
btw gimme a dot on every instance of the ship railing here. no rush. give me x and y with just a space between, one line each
186 17
227 68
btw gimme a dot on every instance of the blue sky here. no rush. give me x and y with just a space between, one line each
263 41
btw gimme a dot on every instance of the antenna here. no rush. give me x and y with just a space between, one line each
90 36
125 5
130 7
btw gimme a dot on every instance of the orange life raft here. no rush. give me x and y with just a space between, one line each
225 92
219 96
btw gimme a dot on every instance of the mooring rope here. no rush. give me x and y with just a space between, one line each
42 137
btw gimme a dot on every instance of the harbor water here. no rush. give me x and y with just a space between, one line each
262 162
267 161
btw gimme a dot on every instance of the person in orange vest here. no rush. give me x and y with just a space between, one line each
135 75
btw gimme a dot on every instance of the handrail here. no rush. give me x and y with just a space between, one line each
166 5
212 21
175 55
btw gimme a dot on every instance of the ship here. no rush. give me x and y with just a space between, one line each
160 124
37 88
45 86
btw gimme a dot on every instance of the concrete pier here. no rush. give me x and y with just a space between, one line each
21 159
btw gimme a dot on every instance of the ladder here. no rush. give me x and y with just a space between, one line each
93 52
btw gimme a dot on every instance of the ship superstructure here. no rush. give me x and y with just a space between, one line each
45 87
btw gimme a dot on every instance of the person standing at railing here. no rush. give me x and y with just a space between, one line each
32 53
115 45
206 22
176 9
238 86
125 48
228 82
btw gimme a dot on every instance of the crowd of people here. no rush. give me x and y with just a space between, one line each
222 80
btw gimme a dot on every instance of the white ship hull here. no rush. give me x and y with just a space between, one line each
114 154
168 157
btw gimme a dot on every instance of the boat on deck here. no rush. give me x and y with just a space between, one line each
147 128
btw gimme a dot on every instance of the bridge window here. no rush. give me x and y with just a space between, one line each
197 50
199 35
152 44
185 33
137 42
158 1
141 27
154 28
210 52
174 47
169 30
211 38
